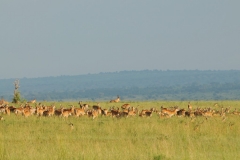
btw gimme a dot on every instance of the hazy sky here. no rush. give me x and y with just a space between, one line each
41 38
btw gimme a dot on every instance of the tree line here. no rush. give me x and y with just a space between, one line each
130 85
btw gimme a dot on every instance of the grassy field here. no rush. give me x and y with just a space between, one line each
123 138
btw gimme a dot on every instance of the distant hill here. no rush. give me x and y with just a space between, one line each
130 85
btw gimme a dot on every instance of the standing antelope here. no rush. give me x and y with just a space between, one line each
85 106
115 100
189 106
168 112
79 111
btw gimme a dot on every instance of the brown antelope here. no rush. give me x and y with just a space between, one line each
181 112
2 109
115 113
85 106
106 112
115 100
125 106
79 111
208 113
94 114
189 106
96 107
58 112
168 112
142 113
12 108
149 113
26 112
50 111
7 110
66 113
40 110
18 110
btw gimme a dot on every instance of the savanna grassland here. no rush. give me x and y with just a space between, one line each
123 138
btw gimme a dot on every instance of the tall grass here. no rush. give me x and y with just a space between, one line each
124 138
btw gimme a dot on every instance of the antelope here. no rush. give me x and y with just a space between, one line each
124 113
7 110
94 114
79 111
18 110
96 107
125 106
66 112
189 106
50 111
26 112
40 110
143 112
168 112
2 109
115 100
106 112
58 112
181 112
115 113
85 106
208 113
12 108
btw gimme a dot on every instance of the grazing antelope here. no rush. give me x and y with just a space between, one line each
115 100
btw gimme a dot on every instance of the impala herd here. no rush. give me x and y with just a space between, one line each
126 110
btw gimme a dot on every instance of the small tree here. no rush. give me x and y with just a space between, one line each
16 95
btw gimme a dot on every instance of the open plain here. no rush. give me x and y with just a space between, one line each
145 131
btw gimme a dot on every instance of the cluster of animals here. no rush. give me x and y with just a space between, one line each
94 111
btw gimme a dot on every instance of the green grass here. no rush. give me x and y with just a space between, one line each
126 138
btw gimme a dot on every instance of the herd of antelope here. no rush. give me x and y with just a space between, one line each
126 110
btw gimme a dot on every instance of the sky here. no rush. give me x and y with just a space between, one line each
41 38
